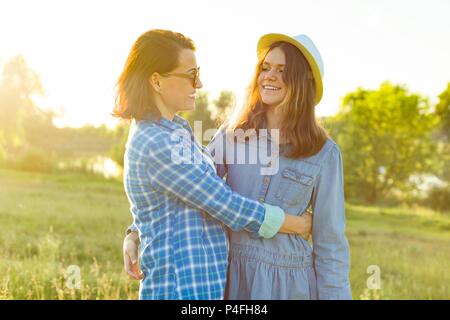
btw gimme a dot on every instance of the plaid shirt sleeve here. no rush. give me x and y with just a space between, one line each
195 183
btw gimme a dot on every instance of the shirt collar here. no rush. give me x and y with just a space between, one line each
177 123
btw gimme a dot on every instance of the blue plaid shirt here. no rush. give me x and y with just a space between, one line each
184 251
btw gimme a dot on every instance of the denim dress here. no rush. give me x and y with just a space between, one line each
286 266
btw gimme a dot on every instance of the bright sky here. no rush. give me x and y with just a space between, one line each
79 47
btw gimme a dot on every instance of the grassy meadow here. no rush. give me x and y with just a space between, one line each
49 222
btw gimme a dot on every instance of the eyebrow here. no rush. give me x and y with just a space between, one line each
279 64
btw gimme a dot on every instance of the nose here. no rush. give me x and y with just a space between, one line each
270 75
199 84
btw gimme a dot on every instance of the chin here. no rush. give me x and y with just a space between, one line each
189 107
271 102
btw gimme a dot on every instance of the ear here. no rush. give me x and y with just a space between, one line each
155 81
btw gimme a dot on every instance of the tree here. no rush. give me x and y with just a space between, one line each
385 138
201 113
224 105
18 87
120 137
442 111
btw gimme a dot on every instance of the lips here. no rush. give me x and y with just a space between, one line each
192 95
271 88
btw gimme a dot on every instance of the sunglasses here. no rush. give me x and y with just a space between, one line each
194 75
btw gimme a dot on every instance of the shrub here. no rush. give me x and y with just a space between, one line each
34 160
439 198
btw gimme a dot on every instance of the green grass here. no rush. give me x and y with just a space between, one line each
410 246
51 221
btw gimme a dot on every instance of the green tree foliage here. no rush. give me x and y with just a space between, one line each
224 105
27 132
385 137
19 84
202 114
201 111
439 199
442 111
120 136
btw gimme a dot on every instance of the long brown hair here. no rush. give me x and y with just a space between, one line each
299 124
154 51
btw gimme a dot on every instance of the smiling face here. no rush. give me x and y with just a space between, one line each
283 91
271 86
178 93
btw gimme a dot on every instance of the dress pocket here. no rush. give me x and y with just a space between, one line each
295 187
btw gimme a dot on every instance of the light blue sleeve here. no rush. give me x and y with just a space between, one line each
273 220
330 246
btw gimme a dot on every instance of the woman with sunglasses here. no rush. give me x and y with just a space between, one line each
286 87
178 203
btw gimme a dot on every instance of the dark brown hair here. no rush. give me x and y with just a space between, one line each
154 51
299 123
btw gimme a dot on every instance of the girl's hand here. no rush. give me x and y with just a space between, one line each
299 225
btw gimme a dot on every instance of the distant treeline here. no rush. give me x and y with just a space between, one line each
391 139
